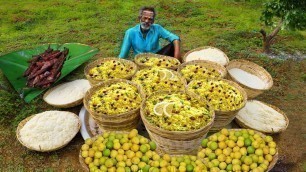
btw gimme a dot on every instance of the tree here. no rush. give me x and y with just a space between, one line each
282 14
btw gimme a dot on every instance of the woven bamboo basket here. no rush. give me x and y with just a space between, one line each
223 118
226 59
23 122
275 157
119 122
176 142
205 64
128 63
74 103
244 125
254 69
142 66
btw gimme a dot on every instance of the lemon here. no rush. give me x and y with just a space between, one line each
159 108
165 74
167 109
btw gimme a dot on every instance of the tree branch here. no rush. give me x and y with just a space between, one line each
276 30
264 34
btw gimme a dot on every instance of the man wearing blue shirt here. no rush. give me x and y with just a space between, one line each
144 37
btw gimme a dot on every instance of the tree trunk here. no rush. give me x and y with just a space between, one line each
267 40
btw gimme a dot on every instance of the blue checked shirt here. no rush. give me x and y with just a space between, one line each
134 39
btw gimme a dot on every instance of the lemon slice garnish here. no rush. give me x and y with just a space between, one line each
159 108
168 109
165 74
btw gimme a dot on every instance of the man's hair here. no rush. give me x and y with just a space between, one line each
146 8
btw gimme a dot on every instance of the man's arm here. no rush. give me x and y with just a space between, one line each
177 50
126 46
171 38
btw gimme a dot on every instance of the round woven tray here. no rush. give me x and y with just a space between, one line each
99 61
275 157
223 118
176 142
142 66
67 105
243 125
23 122
205 64
254 69
119 122
206 47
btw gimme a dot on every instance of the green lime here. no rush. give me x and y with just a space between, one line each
109 144
213 145
247 142
145 159
212 156
106 152
229 167
204 143
189 167
152 145
127 169
111 137
250 149
143 148
238 133
146 168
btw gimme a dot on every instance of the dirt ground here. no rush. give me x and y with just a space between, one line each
291 143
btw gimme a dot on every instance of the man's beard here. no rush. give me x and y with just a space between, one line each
145 26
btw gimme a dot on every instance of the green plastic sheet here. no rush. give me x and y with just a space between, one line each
15 63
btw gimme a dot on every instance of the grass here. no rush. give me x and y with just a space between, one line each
230 25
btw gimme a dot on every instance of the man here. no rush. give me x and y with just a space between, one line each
144 37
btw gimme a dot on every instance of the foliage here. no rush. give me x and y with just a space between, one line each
291 12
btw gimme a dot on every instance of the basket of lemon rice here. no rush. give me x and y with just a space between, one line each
201 69
238 150
226 97
114 104
109 68
159 79
146 60
176 121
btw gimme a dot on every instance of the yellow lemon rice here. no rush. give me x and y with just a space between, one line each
187 113
111 69
220 94
195 71
151 81
115 99
159 62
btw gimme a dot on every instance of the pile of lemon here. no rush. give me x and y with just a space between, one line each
237 150
132 152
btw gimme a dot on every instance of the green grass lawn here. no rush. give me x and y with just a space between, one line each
230 25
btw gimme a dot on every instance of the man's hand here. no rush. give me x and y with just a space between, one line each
177 51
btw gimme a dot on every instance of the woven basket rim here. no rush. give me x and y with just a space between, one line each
232 64
237 86
107 83
206 63
67 105
238 120
206 47
177 132
24 121
100 60
154 55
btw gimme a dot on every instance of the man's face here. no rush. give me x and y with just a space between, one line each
146 20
